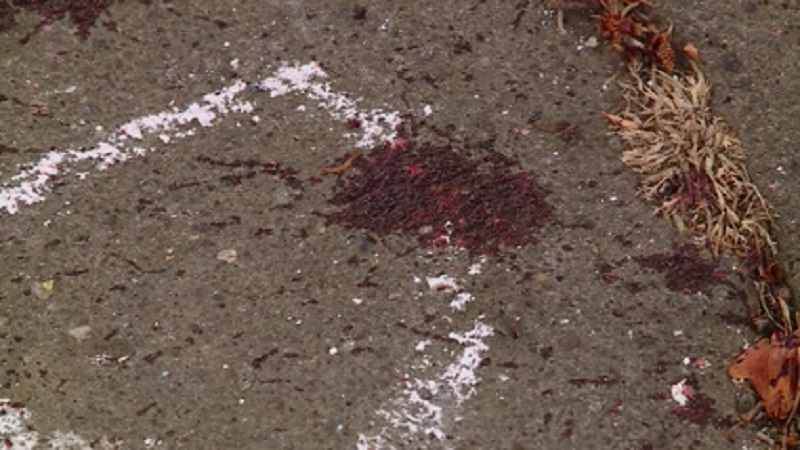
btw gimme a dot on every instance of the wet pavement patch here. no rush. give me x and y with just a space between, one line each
443 197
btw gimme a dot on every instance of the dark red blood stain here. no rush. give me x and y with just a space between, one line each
353 123
567 432
699 411
401 188
685 270
82 13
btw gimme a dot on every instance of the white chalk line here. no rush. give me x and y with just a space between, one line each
426 405
17 433
32 183
411 414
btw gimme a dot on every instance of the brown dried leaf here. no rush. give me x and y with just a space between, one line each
771 368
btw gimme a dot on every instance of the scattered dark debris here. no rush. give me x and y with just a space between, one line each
359 12
566 131
546 352
362 349
427 334
633 287
259 360
75 272
605 273
462 45
521 8
7 148
568 427
152 357
622 240
262 231
174 186
142 411
476 205
230 220
603 380
366 282
685 270
245 169
219 23
113 332
51 244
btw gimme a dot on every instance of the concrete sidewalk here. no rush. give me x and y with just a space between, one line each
302 225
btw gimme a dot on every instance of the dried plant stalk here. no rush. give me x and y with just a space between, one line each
691 162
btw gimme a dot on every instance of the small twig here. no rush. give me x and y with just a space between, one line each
792 415
343 166
571 5
560 21
744 419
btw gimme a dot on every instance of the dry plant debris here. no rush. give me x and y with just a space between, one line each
693 167
771 368
691 163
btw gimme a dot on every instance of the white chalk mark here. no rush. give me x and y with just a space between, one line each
376 125
17 431
442 283
459 303
131 139
427 404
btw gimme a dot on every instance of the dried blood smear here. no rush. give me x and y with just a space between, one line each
478 205
82 13
686 271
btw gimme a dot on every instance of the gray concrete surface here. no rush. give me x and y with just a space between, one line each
323 336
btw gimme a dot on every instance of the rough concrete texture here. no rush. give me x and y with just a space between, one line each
322 333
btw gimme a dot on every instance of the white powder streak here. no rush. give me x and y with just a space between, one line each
33 182
442 282
17 429
376 126
424 406
460 301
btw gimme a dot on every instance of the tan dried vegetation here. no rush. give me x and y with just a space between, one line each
691 164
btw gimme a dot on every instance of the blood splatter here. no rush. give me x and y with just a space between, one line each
82 13
443 197
685 270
